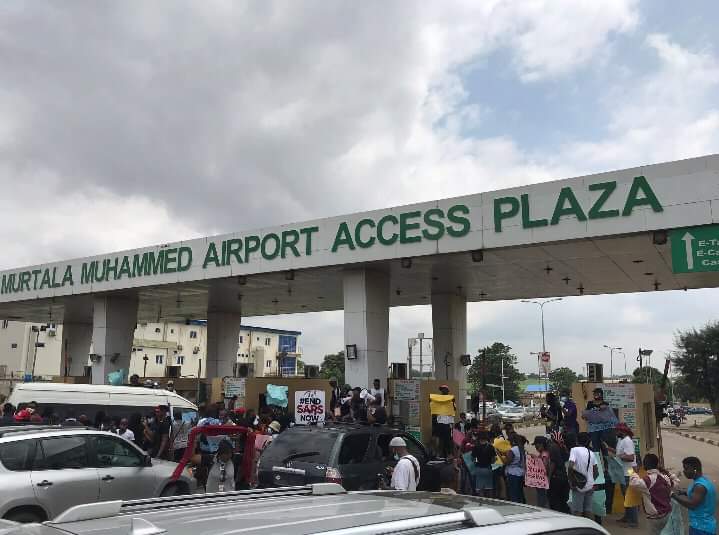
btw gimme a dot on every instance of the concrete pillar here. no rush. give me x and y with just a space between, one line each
76 341
113 326
449 337
223 339
366 306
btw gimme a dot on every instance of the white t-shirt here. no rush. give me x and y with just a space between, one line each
375 392
626 447
584 462
127 435
403 475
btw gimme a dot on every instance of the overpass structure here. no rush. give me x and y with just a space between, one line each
643 229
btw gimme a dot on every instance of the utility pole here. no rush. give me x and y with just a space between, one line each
502 380
482 354
544 343
611 359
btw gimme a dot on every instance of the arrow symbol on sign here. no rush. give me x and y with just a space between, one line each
688 239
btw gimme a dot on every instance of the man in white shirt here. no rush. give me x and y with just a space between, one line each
625 453
581 459
378 393
406 473
124 432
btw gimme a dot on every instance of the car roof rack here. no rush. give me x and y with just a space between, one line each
91 511
34 428
466 518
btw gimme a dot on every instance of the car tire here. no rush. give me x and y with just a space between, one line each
26 516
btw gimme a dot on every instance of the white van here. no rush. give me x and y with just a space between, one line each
72 400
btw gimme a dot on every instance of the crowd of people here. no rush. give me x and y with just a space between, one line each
574 462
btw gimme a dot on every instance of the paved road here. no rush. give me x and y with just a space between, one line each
675 449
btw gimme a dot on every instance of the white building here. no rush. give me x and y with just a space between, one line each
159 350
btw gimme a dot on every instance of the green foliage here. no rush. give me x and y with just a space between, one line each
562 379
495 354
334 366
697 359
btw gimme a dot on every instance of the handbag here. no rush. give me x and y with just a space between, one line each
578 480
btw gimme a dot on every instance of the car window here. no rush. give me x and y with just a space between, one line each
311 446
18 455
382 451
354 448
115 452
63 452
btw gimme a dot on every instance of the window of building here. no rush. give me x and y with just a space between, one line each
269 364
157 329
193 334
172 331
241 338
13 346
159 359
258 338
180 360
268 341
5 324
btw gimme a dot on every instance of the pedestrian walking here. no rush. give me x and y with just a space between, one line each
699 499
406 473
514 469
582 470
541 444
656 491
484 455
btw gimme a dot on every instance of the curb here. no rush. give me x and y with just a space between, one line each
695 437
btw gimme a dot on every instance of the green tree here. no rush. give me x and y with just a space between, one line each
648 375
334 366
697 359
495 354
562 379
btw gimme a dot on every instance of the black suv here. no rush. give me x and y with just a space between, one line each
350 454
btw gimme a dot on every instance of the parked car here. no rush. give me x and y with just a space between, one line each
514 415
349 454
320 508
45 470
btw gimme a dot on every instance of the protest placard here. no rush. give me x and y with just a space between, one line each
309 406
536 475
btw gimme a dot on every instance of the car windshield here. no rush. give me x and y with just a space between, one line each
304 446
515 410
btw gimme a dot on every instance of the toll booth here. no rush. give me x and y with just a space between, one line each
632 403
408 404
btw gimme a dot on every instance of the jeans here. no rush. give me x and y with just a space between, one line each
631 514
515 489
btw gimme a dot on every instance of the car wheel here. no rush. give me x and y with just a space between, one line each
26 516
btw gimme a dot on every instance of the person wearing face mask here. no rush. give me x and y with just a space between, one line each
406 473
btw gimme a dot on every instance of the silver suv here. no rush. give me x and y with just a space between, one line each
320 508
46 470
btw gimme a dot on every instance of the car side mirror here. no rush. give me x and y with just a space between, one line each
147 460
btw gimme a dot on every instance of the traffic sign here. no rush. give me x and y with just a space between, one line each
695 249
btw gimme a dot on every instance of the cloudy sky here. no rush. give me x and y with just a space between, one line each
125 124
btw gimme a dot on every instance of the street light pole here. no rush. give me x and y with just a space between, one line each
611 360
541 313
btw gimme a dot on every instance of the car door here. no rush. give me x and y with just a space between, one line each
352 460
121 469
62 475
383 459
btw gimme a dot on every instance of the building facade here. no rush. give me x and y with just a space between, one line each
158 350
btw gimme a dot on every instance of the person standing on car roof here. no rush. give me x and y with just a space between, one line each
443 409
406 473
335 396
378 392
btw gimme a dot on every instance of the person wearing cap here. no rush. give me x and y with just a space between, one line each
406 473
274 428
625 453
